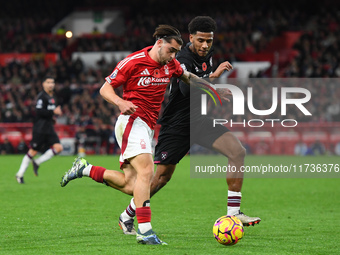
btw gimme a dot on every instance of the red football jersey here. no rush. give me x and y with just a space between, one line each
144 82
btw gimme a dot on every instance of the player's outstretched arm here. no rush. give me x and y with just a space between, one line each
195 81
225 66
108 93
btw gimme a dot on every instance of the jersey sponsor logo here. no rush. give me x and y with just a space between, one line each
166 69
52 101
142 144
51 107
145 72
114 74
164 155
146 81
204 66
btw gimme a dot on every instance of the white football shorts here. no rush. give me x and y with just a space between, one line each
134 137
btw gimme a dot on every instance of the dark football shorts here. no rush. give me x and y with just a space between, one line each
42 142
174 144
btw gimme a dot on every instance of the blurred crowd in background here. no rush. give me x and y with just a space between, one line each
245 27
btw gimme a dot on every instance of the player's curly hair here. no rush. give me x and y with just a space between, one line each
167 33
202 24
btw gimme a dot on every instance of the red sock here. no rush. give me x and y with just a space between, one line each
97 173
143 214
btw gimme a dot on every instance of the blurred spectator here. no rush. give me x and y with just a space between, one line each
80 139
6 147
22 147
337 149
318 148
300 148
93 137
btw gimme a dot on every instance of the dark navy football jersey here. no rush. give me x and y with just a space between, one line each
45 106
177 111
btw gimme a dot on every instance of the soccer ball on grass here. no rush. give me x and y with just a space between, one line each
228 230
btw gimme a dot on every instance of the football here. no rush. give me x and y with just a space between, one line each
228 230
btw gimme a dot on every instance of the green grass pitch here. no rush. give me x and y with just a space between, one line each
299 216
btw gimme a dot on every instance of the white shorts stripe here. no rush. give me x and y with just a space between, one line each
139 139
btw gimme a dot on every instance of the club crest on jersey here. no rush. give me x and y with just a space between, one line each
166 69
142 144
164 155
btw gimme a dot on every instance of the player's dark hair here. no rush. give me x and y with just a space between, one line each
202 24
47 77
167 33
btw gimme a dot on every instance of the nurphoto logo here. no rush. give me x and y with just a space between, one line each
285 94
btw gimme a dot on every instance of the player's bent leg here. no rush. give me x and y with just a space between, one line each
99 174
161 177
24 165
126 219
144 166
230 146
35 165
56 149
32 152
124 182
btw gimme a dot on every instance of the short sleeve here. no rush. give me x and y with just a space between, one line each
178 69
119 76
186 63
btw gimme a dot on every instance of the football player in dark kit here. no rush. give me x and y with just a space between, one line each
44 135
174 137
